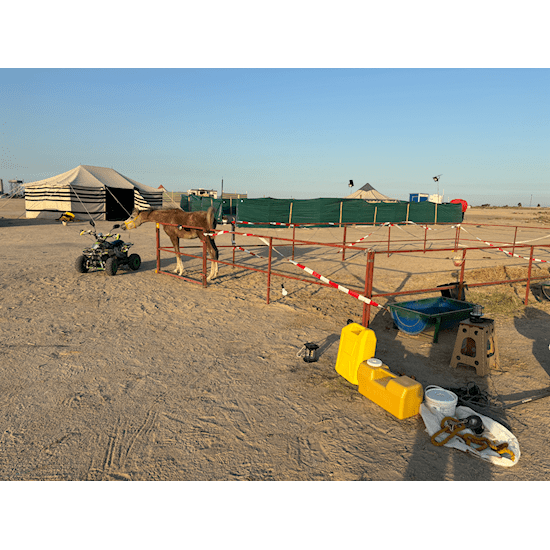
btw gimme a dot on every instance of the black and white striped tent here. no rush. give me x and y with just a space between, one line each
89 192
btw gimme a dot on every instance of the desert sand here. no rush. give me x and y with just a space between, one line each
143 376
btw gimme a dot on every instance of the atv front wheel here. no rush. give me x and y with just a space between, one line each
134 261
81 264
111 266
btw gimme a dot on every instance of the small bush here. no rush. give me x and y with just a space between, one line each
504 301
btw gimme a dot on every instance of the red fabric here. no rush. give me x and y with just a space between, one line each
462 202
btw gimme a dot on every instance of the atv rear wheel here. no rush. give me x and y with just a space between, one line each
111 266
134 261
81 264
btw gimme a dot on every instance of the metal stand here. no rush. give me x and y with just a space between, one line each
476 346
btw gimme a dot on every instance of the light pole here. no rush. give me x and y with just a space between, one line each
436 179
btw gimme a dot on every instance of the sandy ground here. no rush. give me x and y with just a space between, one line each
143 376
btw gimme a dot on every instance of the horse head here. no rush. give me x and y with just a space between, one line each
133 221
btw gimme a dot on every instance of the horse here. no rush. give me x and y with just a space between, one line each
205 220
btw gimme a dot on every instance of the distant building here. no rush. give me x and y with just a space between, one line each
421 197
438 199
418 197
203 192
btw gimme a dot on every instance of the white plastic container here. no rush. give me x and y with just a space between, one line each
440 400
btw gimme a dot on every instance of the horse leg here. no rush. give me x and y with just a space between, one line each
213 253
179 263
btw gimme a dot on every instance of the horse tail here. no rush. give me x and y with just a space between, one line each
211 217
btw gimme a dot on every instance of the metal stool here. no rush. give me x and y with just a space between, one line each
476 346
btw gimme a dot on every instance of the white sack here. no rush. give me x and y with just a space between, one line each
494 431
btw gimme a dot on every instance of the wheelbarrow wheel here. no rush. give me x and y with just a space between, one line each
410 325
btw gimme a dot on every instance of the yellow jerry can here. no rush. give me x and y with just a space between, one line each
399 395
357 344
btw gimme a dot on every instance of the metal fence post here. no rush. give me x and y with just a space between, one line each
369 275
344 243
158 248
457 237
269 268
425 237
204 267
529 275
461 283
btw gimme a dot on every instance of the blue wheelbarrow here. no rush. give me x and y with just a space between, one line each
416 316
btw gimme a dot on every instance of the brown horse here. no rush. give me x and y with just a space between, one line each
205 220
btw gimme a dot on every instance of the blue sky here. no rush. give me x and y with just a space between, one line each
300 133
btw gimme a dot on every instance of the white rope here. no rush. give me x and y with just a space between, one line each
166 193
74 191
529 241
267 242
128 213
9 198
505 251
365 237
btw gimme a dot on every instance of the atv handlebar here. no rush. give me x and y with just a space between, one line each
100 235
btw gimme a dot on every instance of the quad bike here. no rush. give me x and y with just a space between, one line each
106 255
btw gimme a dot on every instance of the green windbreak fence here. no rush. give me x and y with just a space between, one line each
194 203
323 211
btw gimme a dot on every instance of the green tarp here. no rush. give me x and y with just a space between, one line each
323 211
194 203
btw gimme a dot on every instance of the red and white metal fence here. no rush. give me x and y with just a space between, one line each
364 295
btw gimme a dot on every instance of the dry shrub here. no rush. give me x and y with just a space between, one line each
502 273
486 274
503 301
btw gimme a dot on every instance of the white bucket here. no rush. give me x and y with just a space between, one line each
440 400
